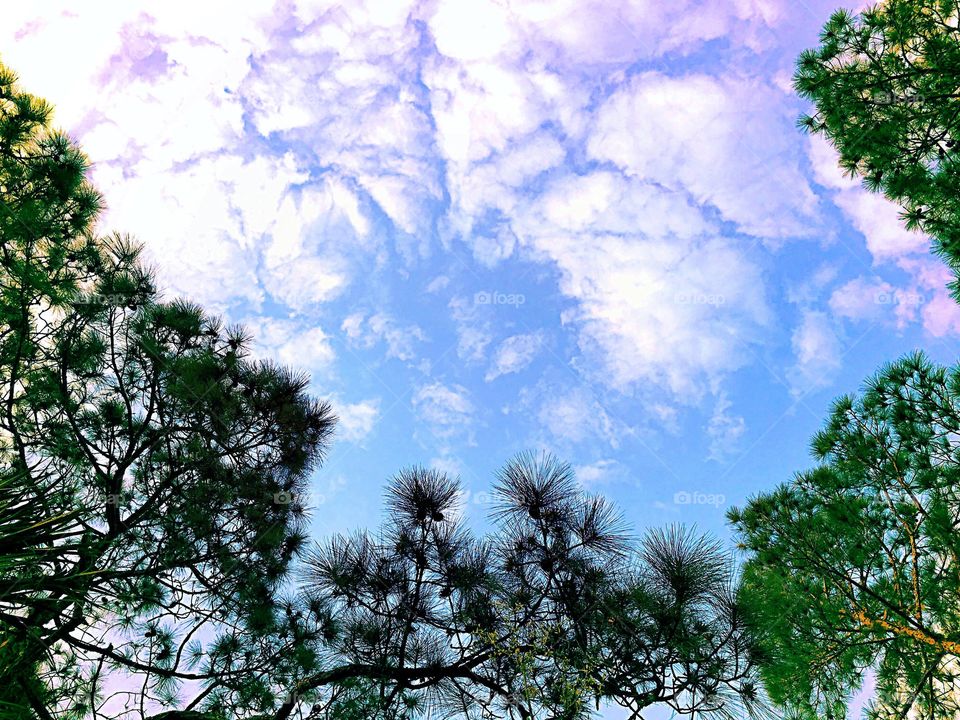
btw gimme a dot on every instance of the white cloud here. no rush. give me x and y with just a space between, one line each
571 415
811 288
726 141
929 303
452 467
160 105
472 342
191 232
826 169
724 430
941 316
677 141
670 314
872 214
500 183
818 353
367 331
514 354
357 420
923 295
879 221
446 410
588 33
608 202
472 31
437 284
941 313
662 301
352 326
474 333
269 155
863 299
345 90
292 343
481 108
400 340
597 473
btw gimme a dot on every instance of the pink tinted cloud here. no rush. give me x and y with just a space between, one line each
940 314
922 292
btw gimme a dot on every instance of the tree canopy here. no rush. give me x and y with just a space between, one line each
148 540
855 564
140 452
554 612
886 89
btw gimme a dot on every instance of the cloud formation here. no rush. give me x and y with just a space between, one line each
514 354
347 177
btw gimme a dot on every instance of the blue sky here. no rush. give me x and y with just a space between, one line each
481 227
484 227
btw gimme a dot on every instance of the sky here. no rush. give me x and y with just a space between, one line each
590 228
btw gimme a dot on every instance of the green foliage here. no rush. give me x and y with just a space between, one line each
150 522
142 455
886 85
856 563
553 613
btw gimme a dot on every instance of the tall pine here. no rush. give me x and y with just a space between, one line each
886 89
144 463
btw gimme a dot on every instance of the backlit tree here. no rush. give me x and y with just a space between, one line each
886 89
142 455
855 564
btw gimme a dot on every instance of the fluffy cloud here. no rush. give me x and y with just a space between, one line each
940 314
355 421
597 473
724 430
569 415
308 256
869 298
661 299
474 331
724 140
177 121
892 246
266 157
873 215
445 409
608 203
590 33
818 352
279 157
879 221
292 343
514 354
672 315
367 331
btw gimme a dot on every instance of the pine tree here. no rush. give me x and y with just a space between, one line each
886 86
855 564
145 462
150 525
554 612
